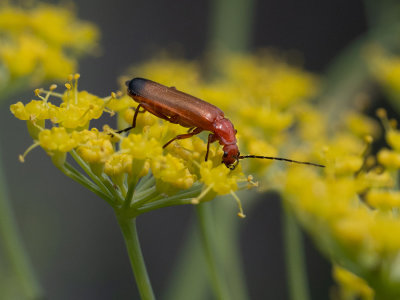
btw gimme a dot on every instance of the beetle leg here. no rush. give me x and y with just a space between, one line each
190 129
184 136
136 114
140 111
134 119
211 139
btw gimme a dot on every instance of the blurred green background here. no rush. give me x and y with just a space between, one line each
72 236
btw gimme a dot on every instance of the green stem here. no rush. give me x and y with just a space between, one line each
227 247
295 259
72 173
184 280
230 29
231 25
207 229
92 176
14 247
128 228
228 226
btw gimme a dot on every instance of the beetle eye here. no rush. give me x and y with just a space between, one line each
225 154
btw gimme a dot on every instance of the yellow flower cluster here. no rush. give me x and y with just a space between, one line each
41 42
133 169
117 162
351 209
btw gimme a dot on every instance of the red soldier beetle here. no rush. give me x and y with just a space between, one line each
180 108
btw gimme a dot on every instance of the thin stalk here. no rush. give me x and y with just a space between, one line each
228 226
230 29
190 258
145 182
162 204
72 173
152 192
14 248
207 229
129 232
143 195
295 259
92 176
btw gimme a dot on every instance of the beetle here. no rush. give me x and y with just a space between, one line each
186 110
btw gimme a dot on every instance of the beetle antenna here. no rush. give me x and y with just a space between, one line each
283 159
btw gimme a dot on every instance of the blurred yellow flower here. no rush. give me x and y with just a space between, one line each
42 42
351 286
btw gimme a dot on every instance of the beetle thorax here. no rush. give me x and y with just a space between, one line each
224 131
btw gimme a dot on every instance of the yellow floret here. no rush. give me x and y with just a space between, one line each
117 164
348 164
393 139
77 110
34 110
58 139
383 199
220 178
96 151
141 147
389 158
172 170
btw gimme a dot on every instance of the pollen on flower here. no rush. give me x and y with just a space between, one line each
78 109
219 178
192 149
96 151
141 147
58 139
118 163
34 110
172 170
